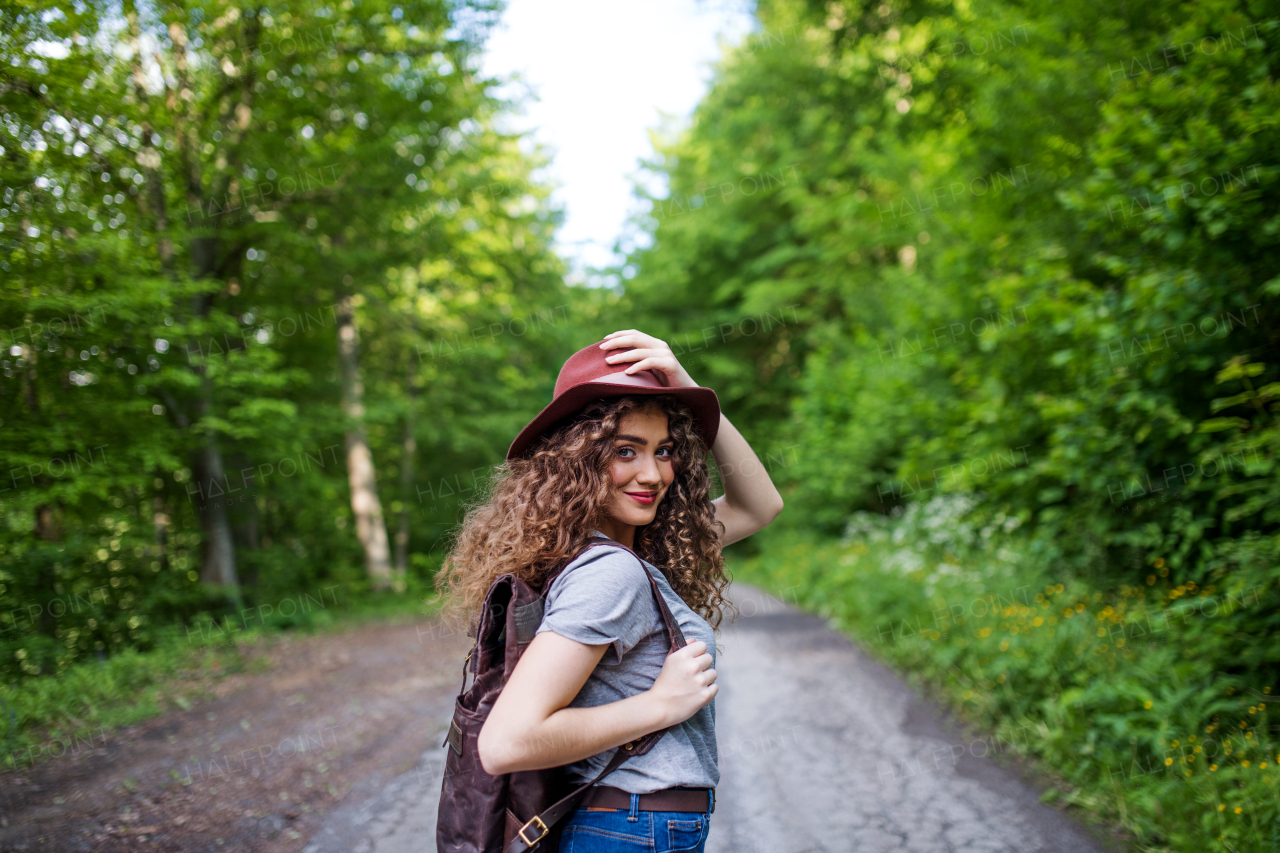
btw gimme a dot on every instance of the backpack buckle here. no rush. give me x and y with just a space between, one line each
541 835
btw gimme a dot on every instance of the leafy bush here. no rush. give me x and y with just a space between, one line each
49 717
1113 686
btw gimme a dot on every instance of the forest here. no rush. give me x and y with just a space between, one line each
990 286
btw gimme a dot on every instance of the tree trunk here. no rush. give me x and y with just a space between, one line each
218 564
410 446
46 524
370 526
47 529
160 520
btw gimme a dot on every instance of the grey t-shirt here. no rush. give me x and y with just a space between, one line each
601 597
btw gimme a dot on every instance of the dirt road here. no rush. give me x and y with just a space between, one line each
336 750
258 767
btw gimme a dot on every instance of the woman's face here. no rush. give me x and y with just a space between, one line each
642 467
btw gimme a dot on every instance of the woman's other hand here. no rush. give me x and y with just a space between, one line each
649 354
685 684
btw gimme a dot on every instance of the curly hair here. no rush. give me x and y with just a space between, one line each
538 510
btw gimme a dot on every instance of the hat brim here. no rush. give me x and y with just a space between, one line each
701 401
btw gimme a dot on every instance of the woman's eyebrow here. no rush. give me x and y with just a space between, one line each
638 440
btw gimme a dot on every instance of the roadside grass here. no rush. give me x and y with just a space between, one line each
1111 690
52 716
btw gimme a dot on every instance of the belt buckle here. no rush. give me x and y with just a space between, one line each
541 835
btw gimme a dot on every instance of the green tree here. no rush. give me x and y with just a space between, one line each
1024 239
198 200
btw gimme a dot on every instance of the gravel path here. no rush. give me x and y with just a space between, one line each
822 749
313 723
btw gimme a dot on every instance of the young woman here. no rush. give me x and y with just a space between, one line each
621 454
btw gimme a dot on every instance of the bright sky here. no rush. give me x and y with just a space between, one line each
604 72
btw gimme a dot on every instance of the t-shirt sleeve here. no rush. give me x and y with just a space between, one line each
603 596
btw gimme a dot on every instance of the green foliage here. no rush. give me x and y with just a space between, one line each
190 193
999 250
1026 265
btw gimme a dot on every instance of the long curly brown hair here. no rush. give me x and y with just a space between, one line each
537 511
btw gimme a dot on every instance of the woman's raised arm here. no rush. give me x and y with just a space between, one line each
750 501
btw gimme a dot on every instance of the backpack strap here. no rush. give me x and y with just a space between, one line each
674 634
537 827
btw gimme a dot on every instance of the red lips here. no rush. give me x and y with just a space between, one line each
643 497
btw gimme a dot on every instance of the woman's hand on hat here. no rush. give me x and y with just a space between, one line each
649 354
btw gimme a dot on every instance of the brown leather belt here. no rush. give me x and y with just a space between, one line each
666 800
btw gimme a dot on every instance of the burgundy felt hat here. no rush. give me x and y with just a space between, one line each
586 376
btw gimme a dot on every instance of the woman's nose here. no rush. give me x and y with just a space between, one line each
650 474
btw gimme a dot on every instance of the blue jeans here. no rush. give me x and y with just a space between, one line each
634 831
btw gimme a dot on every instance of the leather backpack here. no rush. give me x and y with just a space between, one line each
521 811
